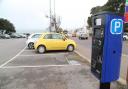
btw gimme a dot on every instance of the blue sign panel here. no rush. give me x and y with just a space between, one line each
116 26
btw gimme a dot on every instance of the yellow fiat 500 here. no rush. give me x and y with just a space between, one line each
54 41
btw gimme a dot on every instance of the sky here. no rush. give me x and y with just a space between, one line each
30 15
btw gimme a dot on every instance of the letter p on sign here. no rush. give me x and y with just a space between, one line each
116 26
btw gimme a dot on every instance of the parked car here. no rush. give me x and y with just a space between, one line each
20 35
69 34
83 36
54 41
31 39
23 36
0 36
14 35
125 36
5 36
74 35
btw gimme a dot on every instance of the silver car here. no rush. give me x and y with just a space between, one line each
125 36
83 36
31 40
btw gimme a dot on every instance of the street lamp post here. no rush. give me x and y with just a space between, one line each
55 15
50 14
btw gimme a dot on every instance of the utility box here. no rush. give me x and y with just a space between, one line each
106 46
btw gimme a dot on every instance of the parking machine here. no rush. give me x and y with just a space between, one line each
106 47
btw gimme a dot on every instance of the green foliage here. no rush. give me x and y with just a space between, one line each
115 6
6 25
111 5
96 9
89 21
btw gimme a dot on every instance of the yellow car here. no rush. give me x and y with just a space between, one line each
54 41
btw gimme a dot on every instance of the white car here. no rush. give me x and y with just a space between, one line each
125 37
83 36
31 40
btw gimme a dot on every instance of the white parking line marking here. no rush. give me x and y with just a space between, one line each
29 50
125 55
12 58
72 62
88 59
38 66
30 55
67 60
51 54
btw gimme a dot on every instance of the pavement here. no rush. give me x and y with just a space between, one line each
84 50
25 69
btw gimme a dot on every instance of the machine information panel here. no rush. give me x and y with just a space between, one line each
97 47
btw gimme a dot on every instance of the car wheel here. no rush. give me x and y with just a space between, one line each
41 49
70 48
86 38
31 45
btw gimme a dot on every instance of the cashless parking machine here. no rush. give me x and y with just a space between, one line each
106 47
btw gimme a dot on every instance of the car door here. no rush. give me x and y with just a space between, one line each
58 42
48 42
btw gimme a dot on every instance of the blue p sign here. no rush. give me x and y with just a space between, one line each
116 26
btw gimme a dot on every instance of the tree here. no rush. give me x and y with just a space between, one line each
89 21
6 26
111 5
115 6
96 9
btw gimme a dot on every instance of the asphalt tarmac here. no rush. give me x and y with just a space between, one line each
21 68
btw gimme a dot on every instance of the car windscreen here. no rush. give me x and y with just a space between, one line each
36 36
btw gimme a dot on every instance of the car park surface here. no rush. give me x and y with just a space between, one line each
9 48
52 70
22 68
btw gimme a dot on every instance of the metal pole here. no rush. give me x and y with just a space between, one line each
55 15
50 13
127 77
54 8
105 85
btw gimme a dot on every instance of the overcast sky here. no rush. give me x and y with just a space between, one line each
29 15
